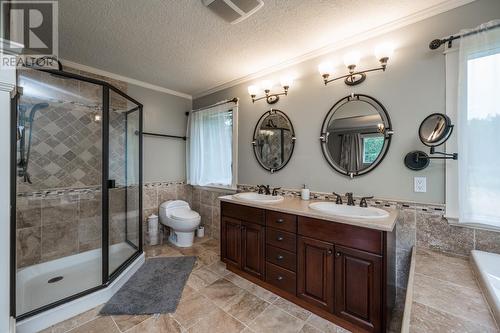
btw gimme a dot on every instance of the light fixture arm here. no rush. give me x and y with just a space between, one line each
354 78
270 98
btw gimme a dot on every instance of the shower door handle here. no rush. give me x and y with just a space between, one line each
111 183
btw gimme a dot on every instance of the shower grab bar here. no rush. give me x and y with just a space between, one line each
162 135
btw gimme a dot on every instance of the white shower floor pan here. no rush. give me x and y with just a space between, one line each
79 272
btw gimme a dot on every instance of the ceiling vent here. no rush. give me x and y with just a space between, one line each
234 11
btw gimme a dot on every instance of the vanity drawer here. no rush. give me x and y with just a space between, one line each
244 213
281 221
282 239
342 234
281 278
281 257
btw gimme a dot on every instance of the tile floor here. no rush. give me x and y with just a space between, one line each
214 300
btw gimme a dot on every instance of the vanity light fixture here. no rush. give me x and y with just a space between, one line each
351 60
267 86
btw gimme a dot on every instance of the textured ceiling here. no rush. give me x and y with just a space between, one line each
182 45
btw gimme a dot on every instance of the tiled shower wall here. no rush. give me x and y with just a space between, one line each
66 139
58 224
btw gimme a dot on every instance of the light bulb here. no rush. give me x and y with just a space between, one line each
253 90
267 84
352 58
286 81
384 51
325 68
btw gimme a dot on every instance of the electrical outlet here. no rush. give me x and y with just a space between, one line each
420 184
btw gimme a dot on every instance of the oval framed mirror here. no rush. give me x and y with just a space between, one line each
356 134
273 140
435 129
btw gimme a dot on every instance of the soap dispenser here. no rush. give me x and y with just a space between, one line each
305 193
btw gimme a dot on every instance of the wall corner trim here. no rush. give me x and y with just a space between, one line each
139 83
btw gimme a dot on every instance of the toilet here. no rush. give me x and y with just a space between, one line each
182 221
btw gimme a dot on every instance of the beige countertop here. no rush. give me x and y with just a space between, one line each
444 296
298 206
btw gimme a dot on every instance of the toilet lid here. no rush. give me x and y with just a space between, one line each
184 214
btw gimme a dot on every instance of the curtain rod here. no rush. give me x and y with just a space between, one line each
233 100
436 43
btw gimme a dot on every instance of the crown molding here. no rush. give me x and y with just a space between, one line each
143 84
337 45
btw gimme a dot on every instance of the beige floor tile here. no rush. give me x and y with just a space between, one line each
212 245
456 300
221 292
238 280
258 291
274 320
246 307
157 324
219 268
292 309
324 325
309 329
217 322
161 251
99 325
125 322
428 320
192 309
201 278
73 322
207 258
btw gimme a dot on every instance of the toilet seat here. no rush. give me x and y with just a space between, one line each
184 214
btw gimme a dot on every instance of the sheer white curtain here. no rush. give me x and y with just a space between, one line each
478 108
210 146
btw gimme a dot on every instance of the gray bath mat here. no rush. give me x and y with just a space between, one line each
155 288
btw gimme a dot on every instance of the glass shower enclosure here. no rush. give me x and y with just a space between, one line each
76 172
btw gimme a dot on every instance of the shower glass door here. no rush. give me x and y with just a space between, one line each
124 179
58 220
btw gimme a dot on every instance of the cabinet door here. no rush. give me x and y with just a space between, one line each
252 248
315 272
358 288
231 241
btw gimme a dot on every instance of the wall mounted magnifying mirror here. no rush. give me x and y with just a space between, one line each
273 140
434 130
356 134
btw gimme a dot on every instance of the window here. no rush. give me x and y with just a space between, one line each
473 183
212 146
372 146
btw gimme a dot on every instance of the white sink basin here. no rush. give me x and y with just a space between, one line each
353 212
258 198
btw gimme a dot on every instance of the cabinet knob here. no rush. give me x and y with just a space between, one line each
280 257
243 227
338 254
279 238
329 252
279 278
280 221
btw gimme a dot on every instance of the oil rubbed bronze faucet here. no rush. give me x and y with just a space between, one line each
264 189
338 200
363 202
275 191
350 200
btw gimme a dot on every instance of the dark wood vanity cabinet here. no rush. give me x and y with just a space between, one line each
338 271
315 272
358 287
